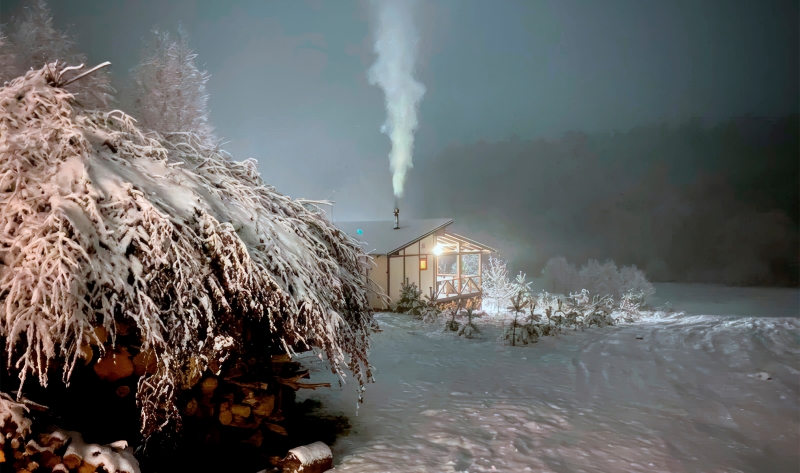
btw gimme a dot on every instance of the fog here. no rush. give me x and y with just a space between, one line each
695 202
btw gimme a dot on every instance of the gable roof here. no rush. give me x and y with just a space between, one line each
380 237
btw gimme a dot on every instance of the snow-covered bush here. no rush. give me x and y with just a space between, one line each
633 280
33 41
551 314
410 301
497 289
170 91
560 276
631 304
101 225
430 310
452 309
598 278
469 329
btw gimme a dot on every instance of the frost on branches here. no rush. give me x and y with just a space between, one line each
33 41
605 279
497 289
101 226
170 90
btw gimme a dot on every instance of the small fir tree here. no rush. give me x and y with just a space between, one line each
410 301
453 309
470 330
430 309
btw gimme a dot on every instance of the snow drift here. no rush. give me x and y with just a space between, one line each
103 225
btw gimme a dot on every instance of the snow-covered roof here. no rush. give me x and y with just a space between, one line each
381 238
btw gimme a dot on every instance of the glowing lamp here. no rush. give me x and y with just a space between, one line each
437 250
423 262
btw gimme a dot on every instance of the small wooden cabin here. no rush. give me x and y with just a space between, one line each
443 264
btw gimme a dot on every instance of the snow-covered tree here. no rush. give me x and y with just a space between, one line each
497 289
561 276
602 279
177 247
633 280
35 41
170 91
469 265
8 60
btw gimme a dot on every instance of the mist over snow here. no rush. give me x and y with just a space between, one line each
692 202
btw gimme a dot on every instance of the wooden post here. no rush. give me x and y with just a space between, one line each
480 270
458 268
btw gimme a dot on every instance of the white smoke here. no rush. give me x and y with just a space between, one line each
396 44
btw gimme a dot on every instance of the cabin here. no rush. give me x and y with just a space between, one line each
444 265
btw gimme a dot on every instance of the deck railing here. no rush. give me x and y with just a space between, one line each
450 286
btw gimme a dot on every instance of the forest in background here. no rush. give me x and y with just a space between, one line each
693 202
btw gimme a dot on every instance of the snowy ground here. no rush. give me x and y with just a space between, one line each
695 394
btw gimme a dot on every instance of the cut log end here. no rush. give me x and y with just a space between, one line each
114 365
312 458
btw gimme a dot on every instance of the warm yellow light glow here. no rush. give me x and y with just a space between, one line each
423 263
437 250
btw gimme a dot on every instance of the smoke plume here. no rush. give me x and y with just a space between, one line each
396 43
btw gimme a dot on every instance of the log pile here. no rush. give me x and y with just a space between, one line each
250 397
53 449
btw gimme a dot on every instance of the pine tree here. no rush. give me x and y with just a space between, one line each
410 301
170 91
34 42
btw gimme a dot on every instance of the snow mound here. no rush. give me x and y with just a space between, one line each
102 224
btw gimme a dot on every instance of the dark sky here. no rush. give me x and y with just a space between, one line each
289 88
663 134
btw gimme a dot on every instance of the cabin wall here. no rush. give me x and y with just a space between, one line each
379 276
396 275
427 278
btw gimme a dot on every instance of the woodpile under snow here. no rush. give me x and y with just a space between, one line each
161 264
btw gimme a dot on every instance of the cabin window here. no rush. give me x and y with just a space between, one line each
423 262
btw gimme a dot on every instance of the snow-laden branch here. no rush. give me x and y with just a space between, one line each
101 225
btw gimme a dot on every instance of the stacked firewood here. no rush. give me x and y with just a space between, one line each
246 400
54 449
248 396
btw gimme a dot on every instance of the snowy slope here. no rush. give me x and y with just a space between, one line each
692 395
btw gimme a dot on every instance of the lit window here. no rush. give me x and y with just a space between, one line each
423 262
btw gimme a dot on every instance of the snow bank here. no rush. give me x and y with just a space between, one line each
100 223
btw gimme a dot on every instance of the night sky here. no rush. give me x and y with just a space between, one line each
512 87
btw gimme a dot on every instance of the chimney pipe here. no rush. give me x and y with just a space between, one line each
396 218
